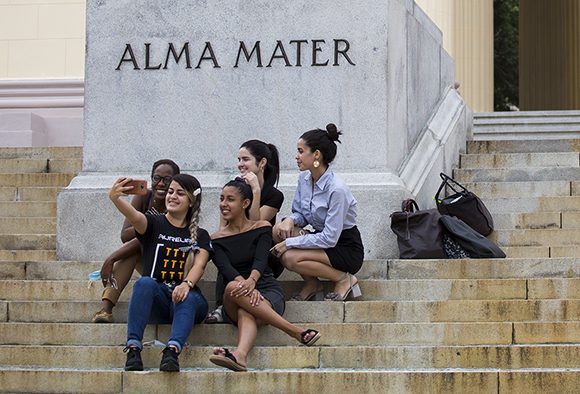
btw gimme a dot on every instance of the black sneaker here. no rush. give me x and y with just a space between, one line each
134 362
169 361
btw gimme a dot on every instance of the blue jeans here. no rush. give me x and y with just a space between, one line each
151 303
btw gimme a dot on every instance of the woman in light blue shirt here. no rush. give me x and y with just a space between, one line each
333 250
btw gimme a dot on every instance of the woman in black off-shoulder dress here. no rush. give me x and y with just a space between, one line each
252 295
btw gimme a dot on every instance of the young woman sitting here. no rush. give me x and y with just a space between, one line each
119 266
259 167
252 295
166 293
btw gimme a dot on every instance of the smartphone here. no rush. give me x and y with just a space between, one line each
139 187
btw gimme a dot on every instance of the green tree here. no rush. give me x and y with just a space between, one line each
505 20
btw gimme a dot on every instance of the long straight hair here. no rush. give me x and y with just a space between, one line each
260 150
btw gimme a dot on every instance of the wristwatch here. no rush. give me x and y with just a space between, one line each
189 283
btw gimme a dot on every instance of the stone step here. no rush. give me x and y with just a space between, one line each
553 288
542 268
571 220
519 160
319 381
565 251
529 146
536 237
487 190
27 241
517 174
352 357
526 126
28 209
371 269
325 312
528 251
36 180
532 204
381 290
536 220
19 225
333 334
542 251
25 255
26 166
53 152
13 193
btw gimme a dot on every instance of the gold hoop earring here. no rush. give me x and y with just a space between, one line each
316 164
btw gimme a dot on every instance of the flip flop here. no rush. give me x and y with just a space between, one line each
312 340
227 360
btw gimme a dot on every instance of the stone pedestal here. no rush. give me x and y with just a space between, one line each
190 81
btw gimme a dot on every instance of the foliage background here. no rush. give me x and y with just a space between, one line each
505 20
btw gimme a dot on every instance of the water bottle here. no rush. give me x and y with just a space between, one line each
94 277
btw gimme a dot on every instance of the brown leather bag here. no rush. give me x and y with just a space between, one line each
419 233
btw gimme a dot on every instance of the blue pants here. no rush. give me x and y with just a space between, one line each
151 302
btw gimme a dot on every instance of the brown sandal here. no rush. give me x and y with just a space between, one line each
103 316
227 360
312 340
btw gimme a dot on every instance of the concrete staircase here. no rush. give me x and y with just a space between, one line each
499 325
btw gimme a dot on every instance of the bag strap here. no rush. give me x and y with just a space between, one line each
409 205
447 180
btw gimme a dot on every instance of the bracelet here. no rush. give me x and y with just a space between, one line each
252 278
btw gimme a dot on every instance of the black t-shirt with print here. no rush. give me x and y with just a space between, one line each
165 248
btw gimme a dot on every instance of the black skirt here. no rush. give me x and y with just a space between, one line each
348 254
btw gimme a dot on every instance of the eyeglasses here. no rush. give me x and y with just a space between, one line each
166 179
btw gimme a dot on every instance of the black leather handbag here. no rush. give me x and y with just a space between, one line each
419 233
465 205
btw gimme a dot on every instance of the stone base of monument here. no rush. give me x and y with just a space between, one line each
89 225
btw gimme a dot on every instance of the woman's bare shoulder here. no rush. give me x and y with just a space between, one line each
261 223
218 234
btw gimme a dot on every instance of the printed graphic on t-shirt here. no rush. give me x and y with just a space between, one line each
170 257
173 262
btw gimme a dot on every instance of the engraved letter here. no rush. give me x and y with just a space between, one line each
171 51
210 57
281 56
148 58
342 52
255 48
298 51
128 51
315 49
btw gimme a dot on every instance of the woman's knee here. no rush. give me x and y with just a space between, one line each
289 260
231 286
145 284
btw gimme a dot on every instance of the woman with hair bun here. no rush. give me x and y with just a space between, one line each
333 250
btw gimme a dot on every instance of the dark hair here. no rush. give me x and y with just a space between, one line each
192 189
260 150
170 163
324 141
245 191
